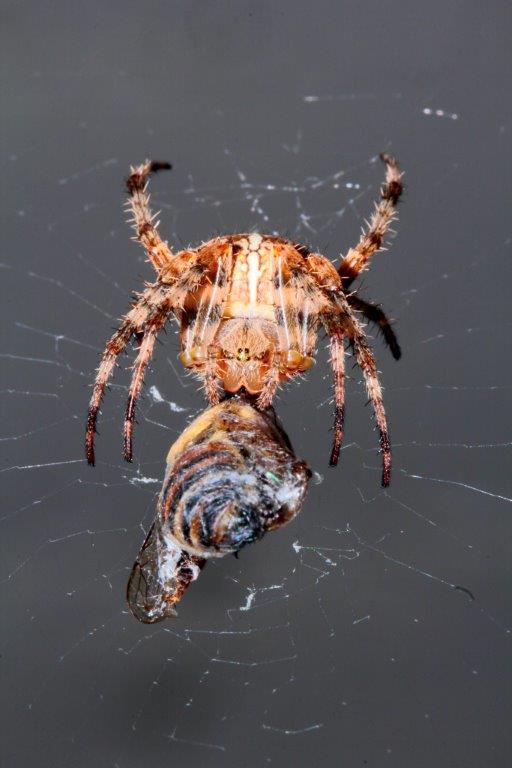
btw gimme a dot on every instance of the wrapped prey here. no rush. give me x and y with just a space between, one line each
231 477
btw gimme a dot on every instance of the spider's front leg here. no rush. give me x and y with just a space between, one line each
385 213
143 220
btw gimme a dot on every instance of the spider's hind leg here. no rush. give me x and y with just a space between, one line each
338 369
366 362
341 322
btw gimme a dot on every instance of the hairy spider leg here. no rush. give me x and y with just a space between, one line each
156 299
295 320
344 318
288 333
139 367
337 361
286 337
113 349
271 382
134 322
143 220
384 214
201 339
366 362
338 319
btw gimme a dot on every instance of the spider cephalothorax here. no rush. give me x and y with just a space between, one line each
249 308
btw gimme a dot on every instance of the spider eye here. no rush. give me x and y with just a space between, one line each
243 354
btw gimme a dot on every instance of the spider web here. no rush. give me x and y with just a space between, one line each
320 630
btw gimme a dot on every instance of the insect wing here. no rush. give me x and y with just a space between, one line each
161 574
144 589
146 592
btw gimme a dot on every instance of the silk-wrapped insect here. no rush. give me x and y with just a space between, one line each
231 477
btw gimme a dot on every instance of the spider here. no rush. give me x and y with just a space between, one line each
249 307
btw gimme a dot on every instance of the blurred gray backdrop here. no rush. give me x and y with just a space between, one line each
375 629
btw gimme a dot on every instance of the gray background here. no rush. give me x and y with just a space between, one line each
342 639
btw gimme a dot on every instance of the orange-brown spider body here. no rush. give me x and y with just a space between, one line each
251 325
249 308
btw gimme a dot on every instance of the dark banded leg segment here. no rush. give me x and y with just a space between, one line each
376 315
114 347
139 368
366 362
344 321
373 239
143 220
338 369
